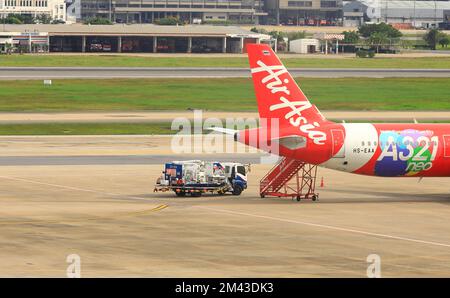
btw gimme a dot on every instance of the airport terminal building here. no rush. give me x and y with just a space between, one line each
305 13
56 9
287 12
188 11
138 38
405 14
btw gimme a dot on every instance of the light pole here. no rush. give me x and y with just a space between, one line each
386 11
278 13
28 32
110 10
435 13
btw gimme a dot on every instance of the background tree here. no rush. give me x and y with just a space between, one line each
296 35
8 48
11 20
432 38
279 36
25 19
444 40
58 22
351 38
44 19
367 30
380 34
378 39
98 21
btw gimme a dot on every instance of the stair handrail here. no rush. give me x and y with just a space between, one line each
271 170
267 184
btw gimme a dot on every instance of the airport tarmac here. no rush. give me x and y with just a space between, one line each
110 217
28 73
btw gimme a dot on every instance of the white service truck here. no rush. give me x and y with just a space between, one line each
196 177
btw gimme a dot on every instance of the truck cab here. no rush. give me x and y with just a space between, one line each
236 174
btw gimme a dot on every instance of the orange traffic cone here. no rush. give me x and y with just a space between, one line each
321 183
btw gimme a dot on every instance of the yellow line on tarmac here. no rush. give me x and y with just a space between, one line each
158 208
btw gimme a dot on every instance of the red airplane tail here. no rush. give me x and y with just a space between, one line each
277 93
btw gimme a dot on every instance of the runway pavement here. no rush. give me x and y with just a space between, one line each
90 196
25 73
110 217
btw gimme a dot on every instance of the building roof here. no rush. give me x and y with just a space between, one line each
135 29
401 10
399 4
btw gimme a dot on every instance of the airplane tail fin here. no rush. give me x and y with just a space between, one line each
277 93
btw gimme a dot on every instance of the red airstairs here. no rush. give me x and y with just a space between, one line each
290 178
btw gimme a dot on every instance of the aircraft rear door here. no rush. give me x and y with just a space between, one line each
338 143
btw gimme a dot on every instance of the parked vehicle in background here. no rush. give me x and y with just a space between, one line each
97 46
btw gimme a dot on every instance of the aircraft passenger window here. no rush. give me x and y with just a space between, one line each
363 143
369 143
375 143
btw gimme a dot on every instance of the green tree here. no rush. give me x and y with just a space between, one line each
260 30
296 35
278 35
8 48
367 30
44 19
24 18
58 22
11 20
350 37
432 38
444 40
378 39
97 21
18 19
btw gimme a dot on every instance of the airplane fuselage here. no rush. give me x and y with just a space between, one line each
388 150
392 150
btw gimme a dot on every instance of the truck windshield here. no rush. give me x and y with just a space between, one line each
241 170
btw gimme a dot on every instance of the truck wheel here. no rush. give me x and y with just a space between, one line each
237 190
180 194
